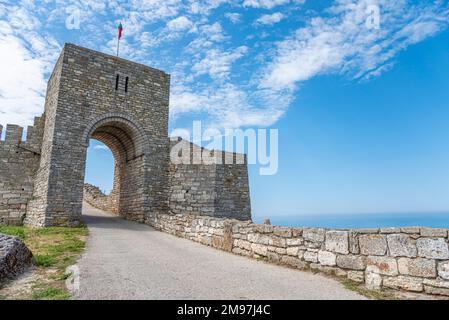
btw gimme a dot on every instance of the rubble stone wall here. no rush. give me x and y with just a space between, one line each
413 259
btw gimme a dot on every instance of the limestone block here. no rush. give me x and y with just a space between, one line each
432 248
401 245
356 276
385 265
293 262
337 241
294 242
327 258
373 244
292 251
314 234
354 242
404 282
433 232
259 249
282 232
311 256
373 280
418 267
443 269
351 262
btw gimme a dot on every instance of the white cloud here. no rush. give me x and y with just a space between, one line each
233 17
343 44
217 63
268 4
180 24
269 19
101 147
22 83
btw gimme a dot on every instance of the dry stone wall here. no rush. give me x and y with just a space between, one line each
95 197
413 259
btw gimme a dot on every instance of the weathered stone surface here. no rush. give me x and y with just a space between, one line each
314 234
259 249
373 280
432 248
351 262
390 230
292 251
436 291
259 238
401 245
337 241
356 276
404 282
273 257
294 242
411 230
385 265
263 228
373 244
277 242
354 242
434 232
443 269
327 258
438 283
293 262
15 257
282 232
418 267
311 256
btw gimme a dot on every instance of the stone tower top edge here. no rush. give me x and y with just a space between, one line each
71 47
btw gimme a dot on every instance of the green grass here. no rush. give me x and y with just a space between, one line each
18 232
50 293
370 294
54 249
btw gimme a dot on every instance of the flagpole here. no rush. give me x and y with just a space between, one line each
118 45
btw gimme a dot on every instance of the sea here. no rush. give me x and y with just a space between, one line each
363 220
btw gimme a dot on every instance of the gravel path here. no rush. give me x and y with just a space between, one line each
127 260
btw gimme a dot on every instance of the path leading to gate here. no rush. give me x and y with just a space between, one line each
127 260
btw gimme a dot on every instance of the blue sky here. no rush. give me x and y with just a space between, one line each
361 111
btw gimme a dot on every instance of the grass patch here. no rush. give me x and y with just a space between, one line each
54 249
371 294
50 293
18 232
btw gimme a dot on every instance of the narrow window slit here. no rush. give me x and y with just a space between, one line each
117 78
126 84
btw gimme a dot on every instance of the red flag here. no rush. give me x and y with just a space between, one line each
120 29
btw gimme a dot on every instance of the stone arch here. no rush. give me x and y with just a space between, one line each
135 133
128 143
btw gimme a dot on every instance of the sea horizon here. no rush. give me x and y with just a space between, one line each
362 220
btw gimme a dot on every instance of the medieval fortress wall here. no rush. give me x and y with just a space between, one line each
125 105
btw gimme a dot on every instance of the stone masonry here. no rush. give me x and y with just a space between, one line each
124 105
412 259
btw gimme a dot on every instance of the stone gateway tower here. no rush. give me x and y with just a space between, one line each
125 105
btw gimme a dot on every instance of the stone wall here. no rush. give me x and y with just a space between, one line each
203 184
95 197
19 161
413 259
15 257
